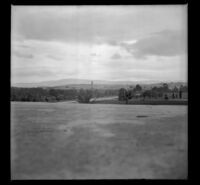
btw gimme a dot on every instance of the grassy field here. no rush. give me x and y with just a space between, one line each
96 141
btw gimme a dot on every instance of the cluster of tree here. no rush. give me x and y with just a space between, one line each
154 92
137 88
41 94
84 96
105 92
53 95
159 92
126 94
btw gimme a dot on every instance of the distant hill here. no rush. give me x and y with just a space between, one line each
84 83
53 83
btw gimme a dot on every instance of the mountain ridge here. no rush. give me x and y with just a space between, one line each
73 81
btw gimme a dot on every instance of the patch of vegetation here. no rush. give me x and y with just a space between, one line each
84 96
162 93
55 95
141 116
41 94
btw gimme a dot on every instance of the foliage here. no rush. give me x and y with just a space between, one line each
122 94
138 88
154 92
84 96
42 95
105 92
54 95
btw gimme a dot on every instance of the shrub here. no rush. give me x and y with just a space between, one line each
84 96
122 94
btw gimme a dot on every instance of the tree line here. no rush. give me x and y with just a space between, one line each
41 94
85 95
154 92
54 95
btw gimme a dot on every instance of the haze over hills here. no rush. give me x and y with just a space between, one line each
76 83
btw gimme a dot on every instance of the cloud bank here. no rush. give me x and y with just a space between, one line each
103 42
164 43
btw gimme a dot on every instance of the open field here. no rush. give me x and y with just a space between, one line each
95 141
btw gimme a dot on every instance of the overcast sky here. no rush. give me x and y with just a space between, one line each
99 42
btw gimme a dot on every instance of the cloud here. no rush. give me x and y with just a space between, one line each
93 54
83 42
92 24
116 56
23 55
112 42
164 43
130 42
54 57
24 74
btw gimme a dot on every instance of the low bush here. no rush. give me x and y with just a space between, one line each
84 96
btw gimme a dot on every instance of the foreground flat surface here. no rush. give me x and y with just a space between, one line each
97 141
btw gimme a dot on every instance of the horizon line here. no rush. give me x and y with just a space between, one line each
150 81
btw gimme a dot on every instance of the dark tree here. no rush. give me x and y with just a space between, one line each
175 89
137 88
84 96
166 97
122 94
165 87
40 94
180 94
127 95
146 93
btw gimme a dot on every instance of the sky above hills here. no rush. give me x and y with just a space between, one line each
133 43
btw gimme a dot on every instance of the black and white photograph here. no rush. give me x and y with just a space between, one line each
99 92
